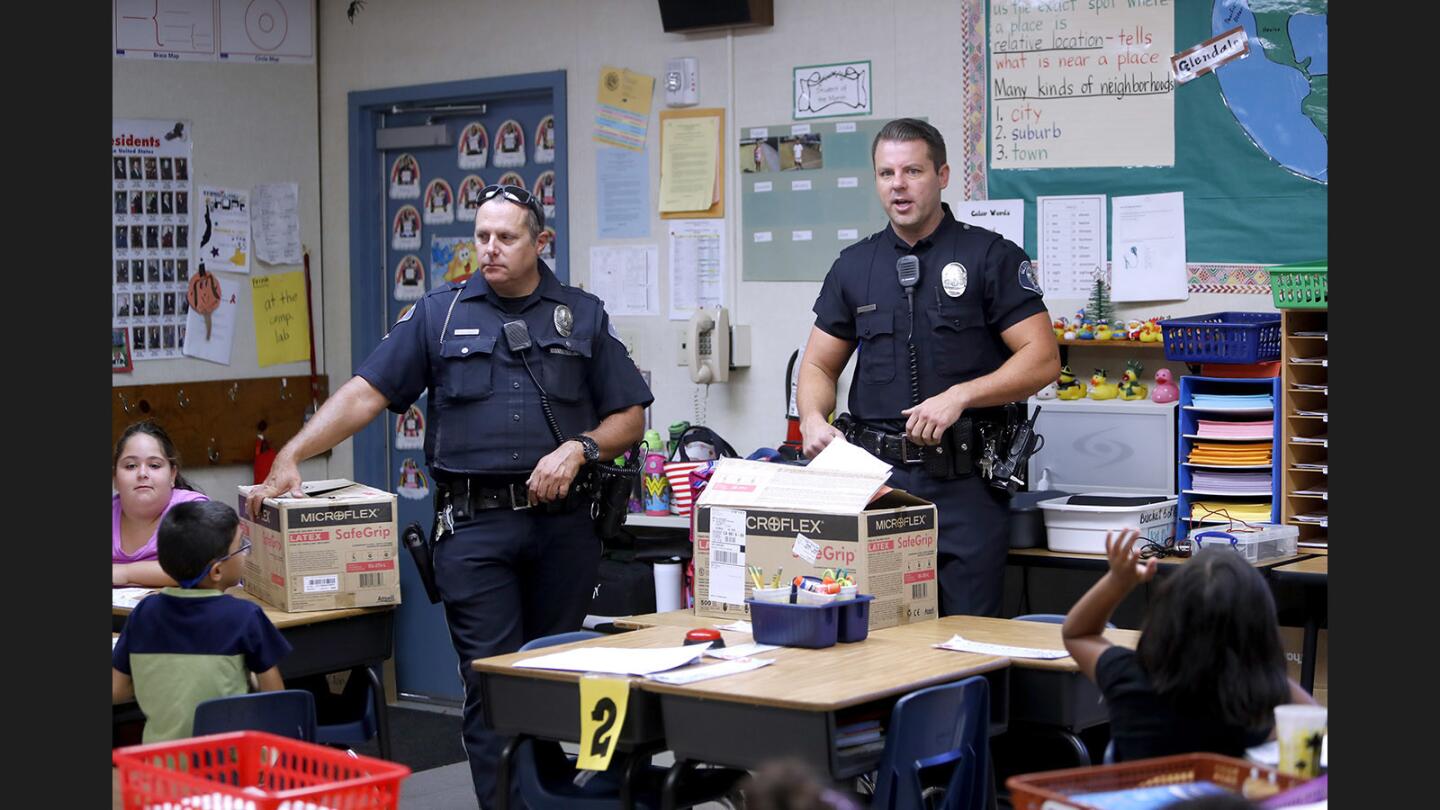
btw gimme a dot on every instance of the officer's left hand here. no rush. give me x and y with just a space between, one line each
931 418
552 477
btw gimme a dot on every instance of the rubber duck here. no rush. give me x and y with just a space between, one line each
1165 391
1085 332
1150 332
1099 388
1070 334
1132 330
1117 330
1048 392
1102 332
1069 387
1130 386
1059 326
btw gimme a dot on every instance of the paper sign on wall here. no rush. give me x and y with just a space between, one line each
282 321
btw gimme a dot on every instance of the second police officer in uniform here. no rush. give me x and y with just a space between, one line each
926 388
516 552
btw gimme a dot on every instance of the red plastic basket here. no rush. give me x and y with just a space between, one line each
1051 790
264 771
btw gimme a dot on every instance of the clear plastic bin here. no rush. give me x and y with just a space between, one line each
1259 542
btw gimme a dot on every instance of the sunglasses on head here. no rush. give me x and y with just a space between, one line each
517 195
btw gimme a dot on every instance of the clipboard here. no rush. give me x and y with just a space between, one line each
716 211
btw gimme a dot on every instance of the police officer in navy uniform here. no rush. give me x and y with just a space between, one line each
516 555
981 337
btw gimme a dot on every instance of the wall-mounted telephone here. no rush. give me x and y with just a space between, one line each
707 345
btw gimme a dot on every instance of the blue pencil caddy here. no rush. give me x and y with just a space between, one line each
813 626
854 618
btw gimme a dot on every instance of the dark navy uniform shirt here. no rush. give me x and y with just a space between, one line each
484 411
956 336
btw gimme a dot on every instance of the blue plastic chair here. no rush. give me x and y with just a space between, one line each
287 712
941 725
1082 752
1051 618
543 774
362 729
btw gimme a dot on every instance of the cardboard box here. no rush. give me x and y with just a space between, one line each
1293 639
335 548
889 543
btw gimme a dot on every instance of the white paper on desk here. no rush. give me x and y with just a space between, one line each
758 484
709 671
128 597
727 556
738 627
959 643
740 651
842 456
1147 248
617 660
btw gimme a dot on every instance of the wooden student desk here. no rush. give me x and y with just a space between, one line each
791 708
325 641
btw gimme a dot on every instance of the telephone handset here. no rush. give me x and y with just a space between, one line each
707 345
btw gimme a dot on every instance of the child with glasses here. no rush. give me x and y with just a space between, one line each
191 643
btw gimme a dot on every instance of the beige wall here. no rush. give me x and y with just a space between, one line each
913 45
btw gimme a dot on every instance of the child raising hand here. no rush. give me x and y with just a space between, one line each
1209 669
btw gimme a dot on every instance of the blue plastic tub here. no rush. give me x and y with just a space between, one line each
854 618
813 626
1223 337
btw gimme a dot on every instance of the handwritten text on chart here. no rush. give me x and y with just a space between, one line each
282 319
1081 83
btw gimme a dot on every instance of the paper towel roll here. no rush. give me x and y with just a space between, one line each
667 585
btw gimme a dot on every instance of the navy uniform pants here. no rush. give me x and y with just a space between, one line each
974 538
507 577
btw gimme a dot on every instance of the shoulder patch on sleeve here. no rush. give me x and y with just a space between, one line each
1029 278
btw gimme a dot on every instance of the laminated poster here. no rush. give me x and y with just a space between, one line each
473 146
409 278
452 258
510 145
545 140
544 191
405 178
151 239
439 208
410 429
469 194
405 230
413 483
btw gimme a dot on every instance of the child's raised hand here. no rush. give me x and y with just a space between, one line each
1125 563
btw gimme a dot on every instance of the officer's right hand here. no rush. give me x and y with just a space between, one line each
817 434
284 479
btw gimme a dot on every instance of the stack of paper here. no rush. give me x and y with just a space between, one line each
1223 511
1222 401
1319 518
1213 429
1231 483
1230 454
128 597
617 660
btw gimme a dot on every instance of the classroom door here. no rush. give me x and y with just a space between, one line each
423 198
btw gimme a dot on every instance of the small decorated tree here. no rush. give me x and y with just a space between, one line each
1100 310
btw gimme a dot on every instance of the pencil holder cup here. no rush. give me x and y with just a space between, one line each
848 591
781 595
804 597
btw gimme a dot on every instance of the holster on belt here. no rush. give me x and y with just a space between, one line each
953 457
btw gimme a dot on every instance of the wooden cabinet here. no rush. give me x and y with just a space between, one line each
1305 424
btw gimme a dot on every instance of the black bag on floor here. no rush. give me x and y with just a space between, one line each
623 587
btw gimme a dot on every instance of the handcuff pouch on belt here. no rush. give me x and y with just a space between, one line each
993 443
952 458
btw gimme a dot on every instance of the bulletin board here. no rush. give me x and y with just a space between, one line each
1245 137
796 218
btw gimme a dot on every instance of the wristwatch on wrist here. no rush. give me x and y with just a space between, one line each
592 450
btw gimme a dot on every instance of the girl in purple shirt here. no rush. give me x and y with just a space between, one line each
147 483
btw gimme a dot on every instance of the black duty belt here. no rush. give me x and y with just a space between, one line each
892 447
466 496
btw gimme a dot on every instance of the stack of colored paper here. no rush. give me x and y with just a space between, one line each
1249 511
1230 454
1231 483
1219 401
1213 429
